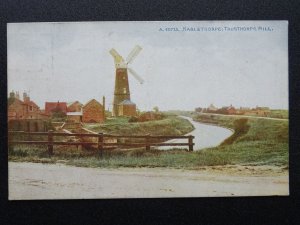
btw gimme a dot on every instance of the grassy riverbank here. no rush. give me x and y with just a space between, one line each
171 125
254 142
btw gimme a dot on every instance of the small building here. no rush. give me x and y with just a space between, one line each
243 110
228 110
74 106
259 111
263 111
146 116
93 112
231 110
51 107
263 108
75 117
127 108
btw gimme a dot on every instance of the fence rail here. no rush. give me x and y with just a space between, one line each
100 143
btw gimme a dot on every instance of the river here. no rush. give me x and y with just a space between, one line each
205 135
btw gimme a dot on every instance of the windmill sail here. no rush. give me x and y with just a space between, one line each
133 54
136 76
117 57
114 53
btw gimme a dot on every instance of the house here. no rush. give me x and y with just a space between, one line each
228 110
259 111
231 110
51 107
243 110
146 116
127 108
25 115
74 106
26 109
92 112
262 111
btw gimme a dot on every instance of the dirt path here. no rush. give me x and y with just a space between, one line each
57 181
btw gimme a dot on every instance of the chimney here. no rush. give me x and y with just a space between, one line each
12 94
103 103
26 97
17 95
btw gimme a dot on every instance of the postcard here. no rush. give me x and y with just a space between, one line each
147 109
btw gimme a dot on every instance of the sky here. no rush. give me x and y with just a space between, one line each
184 64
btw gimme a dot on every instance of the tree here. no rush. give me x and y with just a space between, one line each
57 113
156 109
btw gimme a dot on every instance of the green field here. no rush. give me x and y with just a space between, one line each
171 125
279 113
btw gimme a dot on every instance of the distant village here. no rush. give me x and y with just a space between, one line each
25 114
18 109
231 110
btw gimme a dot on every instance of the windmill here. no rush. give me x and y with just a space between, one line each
122 92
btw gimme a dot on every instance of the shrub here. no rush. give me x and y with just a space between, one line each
240 128
133 119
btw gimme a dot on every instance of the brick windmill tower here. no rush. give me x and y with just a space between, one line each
122 92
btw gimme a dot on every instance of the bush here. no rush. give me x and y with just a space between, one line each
240 128
133 119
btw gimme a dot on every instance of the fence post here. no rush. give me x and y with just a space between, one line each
147 143
50 142
29 136
100 144
191 145
10 138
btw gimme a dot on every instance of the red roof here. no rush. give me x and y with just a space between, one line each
50 106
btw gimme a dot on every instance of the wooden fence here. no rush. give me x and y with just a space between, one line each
147 140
